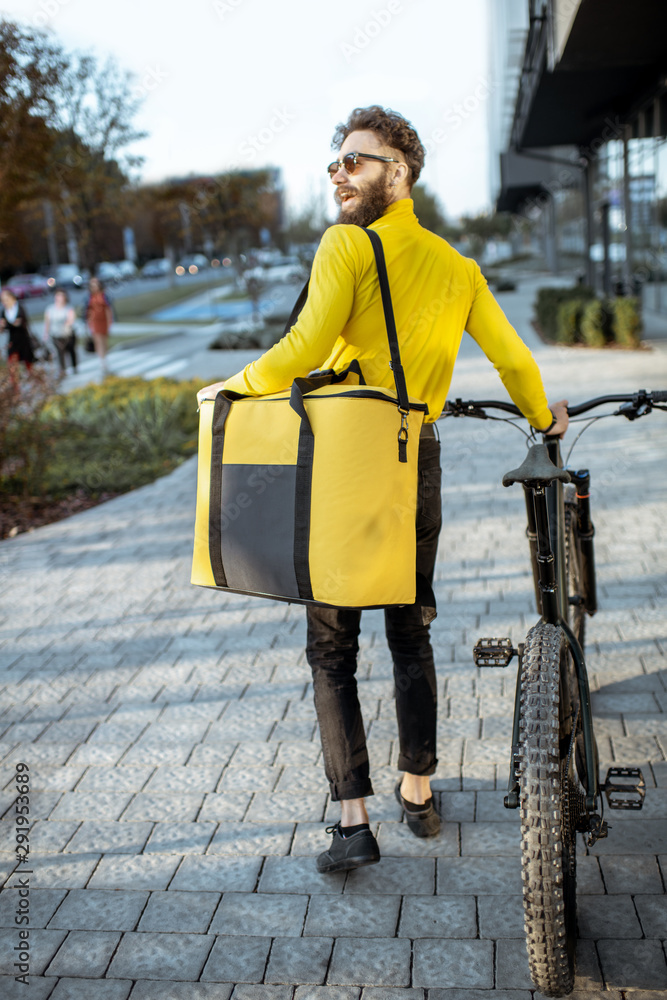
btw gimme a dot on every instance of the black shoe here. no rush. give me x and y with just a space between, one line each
422 820
348 852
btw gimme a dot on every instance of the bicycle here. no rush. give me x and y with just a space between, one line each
554 769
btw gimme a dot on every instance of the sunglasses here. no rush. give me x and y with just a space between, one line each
349 162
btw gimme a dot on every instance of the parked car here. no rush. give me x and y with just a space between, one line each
128 269
106 271
28 286
192 263
288 270
66 276
156 268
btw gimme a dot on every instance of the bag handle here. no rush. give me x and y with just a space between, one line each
392 335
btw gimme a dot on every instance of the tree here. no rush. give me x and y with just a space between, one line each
428 210
96 105
30 65
479 229
307 225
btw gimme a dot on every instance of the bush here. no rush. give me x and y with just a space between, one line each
595 324
101 439
626 322
569 321
547 304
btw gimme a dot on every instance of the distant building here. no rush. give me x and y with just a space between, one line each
586 147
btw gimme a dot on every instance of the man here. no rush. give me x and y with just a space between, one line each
437 294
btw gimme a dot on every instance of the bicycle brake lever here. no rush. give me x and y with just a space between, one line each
631 411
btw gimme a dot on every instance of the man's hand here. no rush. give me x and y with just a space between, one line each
209 392
559 411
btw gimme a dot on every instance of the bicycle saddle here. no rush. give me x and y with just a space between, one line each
536 467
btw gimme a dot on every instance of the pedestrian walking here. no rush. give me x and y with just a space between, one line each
98 315
14 322
437 295
59 328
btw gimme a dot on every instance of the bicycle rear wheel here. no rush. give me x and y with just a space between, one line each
550 803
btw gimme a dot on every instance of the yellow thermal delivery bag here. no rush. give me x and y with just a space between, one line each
310 495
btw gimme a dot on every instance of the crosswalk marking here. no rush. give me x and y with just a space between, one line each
126 363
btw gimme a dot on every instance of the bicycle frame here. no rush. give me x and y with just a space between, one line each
545 516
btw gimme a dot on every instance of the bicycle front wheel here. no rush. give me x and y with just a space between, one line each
548 838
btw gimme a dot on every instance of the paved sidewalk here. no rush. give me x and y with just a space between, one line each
177 792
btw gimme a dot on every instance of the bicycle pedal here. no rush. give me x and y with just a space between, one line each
632 792
493 652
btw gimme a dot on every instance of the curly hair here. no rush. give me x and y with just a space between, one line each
394 130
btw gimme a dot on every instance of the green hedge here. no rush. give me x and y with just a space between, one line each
106 438
576 316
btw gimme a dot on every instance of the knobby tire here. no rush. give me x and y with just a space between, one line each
549 810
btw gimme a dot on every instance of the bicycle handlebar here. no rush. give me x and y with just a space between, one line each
641 399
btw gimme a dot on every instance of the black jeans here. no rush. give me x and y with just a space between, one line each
333 644
65 346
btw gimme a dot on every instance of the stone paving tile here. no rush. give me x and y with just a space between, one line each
344 916
604 916
158 754
110 838
178 912
252 838
392 993
260 914
479 875
40 989
225 806
146 989
286 807
237 960
304 960
512 964
632 874
179 838
83 989
179 957
140 872
99 910
43 946
84 953
176 780
49 836
589 876
327 993
438 916
298 875
397 840
114 779
640 965
497 994
68 871
497 920
216 874
43 904
81 805
445 963
99 756
405 876
374 961
652 912
491 838
162 808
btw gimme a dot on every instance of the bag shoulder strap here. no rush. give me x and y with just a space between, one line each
392 336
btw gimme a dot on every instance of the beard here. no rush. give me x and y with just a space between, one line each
372 200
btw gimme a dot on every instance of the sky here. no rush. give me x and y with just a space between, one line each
254 83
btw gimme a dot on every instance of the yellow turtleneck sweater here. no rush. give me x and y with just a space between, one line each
436 294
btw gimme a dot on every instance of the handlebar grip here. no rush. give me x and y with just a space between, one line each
659 396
